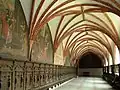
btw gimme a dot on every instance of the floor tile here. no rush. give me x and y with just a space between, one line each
85 83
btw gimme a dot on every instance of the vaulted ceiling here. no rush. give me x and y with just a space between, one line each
80 25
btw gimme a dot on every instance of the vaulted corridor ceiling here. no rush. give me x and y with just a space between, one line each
79 25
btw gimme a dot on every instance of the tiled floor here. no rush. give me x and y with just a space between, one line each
85 83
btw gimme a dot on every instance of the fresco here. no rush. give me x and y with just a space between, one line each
42 50
66 55
59 56
67 61
13 30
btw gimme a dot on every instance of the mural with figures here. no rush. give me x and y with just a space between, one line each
13 30
42 50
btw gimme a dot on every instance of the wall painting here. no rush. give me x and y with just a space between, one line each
13 30
42 50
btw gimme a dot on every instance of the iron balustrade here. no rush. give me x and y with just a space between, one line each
27 75
112 69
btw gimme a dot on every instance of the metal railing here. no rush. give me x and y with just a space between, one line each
25 75
112 69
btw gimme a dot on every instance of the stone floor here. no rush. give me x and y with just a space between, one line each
85 83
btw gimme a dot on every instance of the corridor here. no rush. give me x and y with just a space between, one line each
44 43
85 83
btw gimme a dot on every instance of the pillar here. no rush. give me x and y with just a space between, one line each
104 70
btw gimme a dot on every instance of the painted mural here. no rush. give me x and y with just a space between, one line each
66 56
59 56
42 50
13 30
67 61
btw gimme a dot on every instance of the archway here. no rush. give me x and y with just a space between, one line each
90 64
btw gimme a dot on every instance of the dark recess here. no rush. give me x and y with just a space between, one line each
90 60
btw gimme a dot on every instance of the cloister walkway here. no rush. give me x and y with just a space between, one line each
85 83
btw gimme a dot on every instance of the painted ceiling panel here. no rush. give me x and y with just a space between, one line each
98 35
37 5
94 50
65 41
89 43
100 18
115 19
53 26
74 38
26 9
64 23
76 35
88 48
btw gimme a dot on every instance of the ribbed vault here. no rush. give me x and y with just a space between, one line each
80 26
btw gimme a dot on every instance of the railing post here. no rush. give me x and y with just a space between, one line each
108 69
112 69
44 78
103 70
32 75
55 72
12 76
59 72
39 75
24 76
